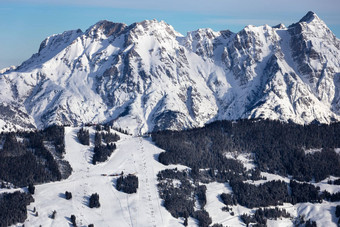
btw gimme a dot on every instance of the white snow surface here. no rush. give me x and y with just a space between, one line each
147 76
134 155
138 155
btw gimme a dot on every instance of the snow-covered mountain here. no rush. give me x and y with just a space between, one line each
146 76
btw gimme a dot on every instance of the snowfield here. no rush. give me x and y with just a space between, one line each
133 155
138 155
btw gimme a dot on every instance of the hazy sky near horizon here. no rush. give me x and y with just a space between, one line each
24 24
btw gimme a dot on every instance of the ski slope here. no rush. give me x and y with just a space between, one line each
133 155
138 155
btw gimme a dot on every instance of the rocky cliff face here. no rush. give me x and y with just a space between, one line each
146 76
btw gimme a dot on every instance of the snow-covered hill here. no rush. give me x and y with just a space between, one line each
133 156
146 76
137 155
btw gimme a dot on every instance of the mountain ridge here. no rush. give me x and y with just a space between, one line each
146 76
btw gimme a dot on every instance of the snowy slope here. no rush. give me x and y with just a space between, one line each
134 155
146 76
137 155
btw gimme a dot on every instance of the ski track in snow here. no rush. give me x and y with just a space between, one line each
151 198
136 155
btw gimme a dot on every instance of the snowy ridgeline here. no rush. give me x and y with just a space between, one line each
138 156
148 77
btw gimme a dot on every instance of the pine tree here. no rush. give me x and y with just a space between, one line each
94 201
54 213
185 221
68 195
31 188
73 220
337 211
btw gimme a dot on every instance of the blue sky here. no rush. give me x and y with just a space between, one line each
25 23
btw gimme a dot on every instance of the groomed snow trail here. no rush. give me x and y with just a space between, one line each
147 195
134 155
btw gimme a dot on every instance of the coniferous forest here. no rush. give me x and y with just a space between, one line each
13 207
103 144
28 158
301 153
276 147
33 157
127 184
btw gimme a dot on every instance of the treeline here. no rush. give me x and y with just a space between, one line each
13 207
106 137
94 201
107 127
25 159
334 182
301 222
177 200
56 134
261 215
128 184
278 147
273 193
124 131
197 154
180 198
304 192
103 142
103 151
84 136
331 197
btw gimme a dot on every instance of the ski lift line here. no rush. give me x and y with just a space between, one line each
117 174
128 205
121 207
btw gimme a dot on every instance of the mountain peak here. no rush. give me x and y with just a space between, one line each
152 27
147 24
106 27
309 17
147 77
4 70
280 26
151 22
